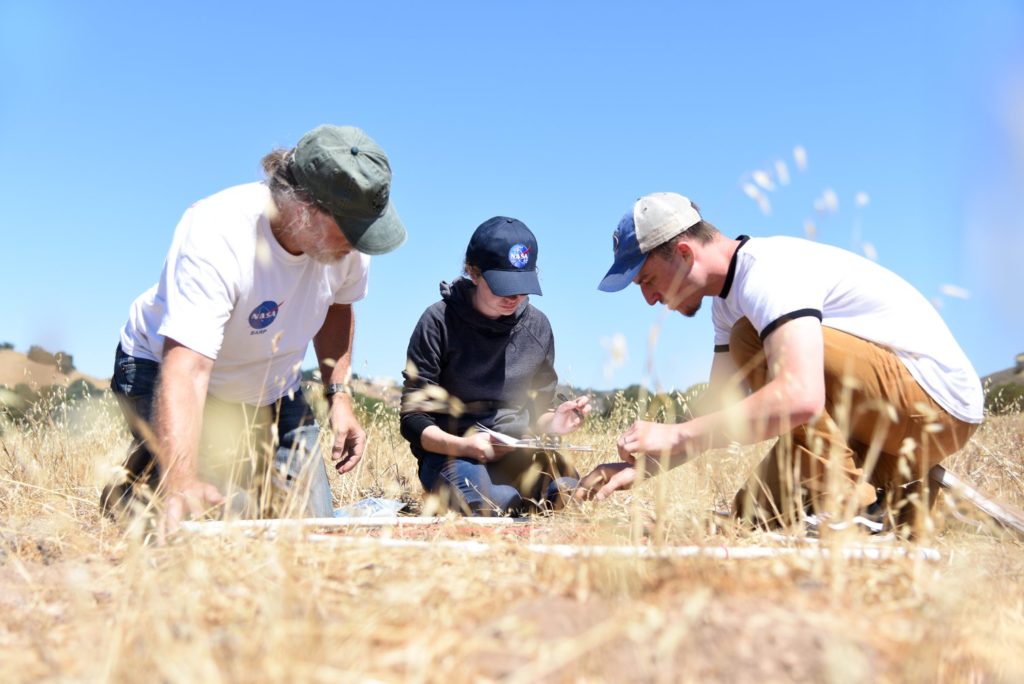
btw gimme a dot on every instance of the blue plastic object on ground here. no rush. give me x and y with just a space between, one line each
371 507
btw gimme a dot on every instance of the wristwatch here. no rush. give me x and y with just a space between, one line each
337 388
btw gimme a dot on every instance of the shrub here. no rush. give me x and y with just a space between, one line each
1005 398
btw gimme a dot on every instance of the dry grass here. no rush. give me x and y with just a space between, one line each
82 600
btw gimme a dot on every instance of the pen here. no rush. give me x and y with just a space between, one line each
562 397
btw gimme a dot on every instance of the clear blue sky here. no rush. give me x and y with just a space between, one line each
115 116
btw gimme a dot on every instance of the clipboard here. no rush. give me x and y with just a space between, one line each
530 442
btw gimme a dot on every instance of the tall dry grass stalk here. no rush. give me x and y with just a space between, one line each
81 599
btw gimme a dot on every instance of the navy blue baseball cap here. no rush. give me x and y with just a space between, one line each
628 257
505 251
653 220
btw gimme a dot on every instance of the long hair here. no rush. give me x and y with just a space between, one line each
277 165
285 190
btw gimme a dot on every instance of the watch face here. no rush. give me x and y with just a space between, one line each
337 388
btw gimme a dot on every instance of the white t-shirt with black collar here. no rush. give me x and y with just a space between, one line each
776 279
231 292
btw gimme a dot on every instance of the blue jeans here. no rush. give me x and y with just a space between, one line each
521 481
297 460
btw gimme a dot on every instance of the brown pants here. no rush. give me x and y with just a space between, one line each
880 429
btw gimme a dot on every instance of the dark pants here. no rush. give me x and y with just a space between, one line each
298 469
522 480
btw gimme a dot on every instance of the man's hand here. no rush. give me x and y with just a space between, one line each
191 499
653 439
605 479
333 344
349 437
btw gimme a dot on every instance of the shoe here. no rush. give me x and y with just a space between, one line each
813 523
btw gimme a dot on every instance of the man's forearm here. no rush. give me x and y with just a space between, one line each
762 415
177 428
333 344
180 397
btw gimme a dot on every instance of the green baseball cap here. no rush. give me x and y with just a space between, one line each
348 175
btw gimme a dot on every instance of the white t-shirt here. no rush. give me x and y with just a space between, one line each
776 279
232 293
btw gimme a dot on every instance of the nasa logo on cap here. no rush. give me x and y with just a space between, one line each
519 255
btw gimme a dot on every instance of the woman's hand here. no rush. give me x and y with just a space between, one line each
479 446
567 416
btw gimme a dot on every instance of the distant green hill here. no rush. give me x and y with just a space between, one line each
1004 390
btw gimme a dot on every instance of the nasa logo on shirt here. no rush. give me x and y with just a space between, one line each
262 316
519 255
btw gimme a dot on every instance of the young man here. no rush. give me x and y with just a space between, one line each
842 359
207 369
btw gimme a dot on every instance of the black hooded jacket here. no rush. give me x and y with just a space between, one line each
502 370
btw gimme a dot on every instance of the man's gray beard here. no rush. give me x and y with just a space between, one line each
290 230
318 252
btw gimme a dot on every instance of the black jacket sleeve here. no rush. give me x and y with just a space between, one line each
545 379
423 368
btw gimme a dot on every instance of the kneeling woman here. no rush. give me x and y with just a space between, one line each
492 353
